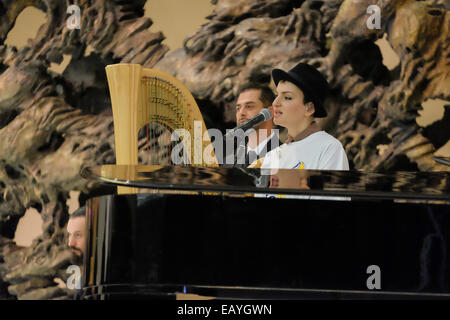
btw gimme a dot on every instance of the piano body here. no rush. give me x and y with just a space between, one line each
247 233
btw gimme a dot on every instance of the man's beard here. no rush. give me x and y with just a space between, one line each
77 256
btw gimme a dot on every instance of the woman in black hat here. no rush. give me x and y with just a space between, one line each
300 96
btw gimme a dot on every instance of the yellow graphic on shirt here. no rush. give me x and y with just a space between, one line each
299 166
257 163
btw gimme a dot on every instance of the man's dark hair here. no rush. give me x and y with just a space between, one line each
266 94
81 212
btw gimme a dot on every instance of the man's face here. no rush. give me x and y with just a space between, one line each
76 228
248 105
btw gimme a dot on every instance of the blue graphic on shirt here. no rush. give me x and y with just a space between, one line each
299 166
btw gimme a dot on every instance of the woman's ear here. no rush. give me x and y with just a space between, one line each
309 109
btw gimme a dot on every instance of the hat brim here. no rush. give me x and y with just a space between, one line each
278 75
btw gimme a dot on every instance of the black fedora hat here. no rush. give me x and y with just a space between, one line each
310 81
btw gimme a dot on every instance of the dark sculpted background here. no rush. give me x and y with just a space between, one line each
51 125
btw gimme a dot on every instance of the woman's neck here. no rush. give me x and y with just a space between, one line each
294 131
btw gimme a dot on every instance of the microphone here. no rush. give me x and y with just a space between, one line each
262 116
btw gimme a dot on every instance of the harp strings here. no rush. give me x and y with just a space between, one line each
166 110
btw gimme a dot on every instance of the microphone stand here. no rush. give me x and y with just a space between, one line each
260 180
241 151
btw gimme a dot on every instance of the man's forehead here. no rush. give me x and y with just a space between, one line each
76 223
249 96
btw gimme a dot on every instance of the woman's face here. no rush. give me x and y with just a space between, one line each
288 108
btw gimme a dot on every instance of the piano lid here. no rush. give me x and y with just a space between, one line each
411 186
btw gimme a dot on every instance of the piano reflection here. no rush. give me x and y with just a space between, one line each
247 233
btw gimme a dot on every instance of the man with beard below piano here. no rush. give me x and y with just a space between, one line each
76 228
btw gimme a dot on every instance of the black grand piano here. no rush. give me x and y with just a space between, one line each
253 234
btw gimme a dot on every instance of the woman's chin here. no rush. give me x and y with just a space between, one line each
276 121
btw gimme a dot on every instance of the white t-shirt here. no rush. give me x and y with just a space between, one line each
318 151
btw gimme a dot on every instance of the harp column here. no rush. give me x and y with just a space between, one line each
124 81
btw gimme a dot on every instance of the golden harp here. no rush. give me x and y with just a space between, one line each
141 96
